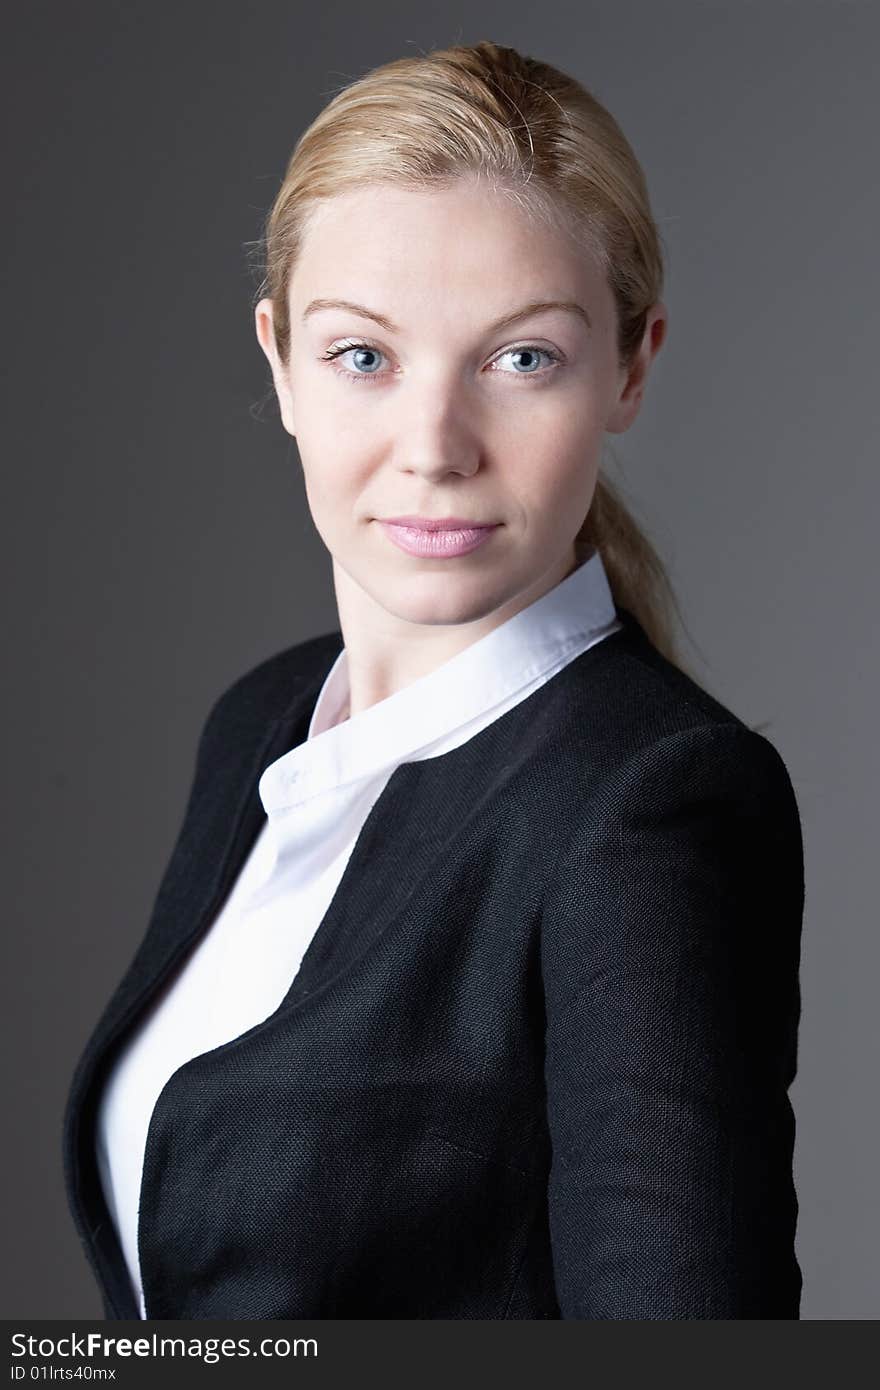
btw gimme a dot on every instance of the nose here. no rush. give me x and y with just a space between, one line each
434 435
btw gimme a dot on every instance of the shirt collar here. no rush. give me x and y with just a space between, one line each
469 684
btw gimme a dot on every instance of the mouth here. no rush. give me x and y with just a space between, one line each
441 540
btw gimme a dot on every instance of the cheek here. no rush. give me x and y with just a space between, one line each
333 483
560 429
562 477
331 445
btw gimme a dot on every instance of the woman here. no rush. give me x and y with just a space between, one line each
471 988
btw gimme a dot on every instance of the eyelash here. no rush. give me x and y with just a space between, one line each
350 345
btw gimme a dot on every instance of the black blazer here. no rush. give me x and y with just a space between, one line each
535 1061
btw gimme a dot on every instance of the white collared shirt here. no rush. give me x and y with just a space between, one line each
317 797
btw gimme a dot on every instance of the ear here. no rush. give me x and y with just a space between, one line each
632 382
264 324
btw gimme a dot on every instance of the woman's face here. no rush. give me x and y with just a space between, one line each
444 395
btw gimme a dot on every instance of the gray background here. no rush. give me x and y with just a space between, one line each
158 537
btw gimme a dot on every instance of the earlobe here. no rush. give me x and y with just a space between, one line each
624 412
285 405
287 419
626 407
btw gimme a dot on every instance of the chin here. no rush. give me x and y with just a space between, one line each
444 609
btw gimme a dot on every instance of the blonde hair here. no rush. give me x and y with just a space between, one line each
486 111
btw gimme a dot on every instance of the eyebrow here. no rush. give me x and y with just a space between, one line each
535 306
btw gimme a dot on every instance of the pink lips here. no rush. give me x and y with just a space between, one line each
436 542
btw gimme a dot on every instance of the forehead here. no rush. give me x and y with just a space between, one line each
469 244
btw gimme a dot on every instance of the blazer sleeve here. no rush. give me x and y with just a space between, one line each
670 957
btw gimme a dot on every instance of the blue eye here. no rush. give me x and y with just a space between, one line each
342 349
530 350
339 350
